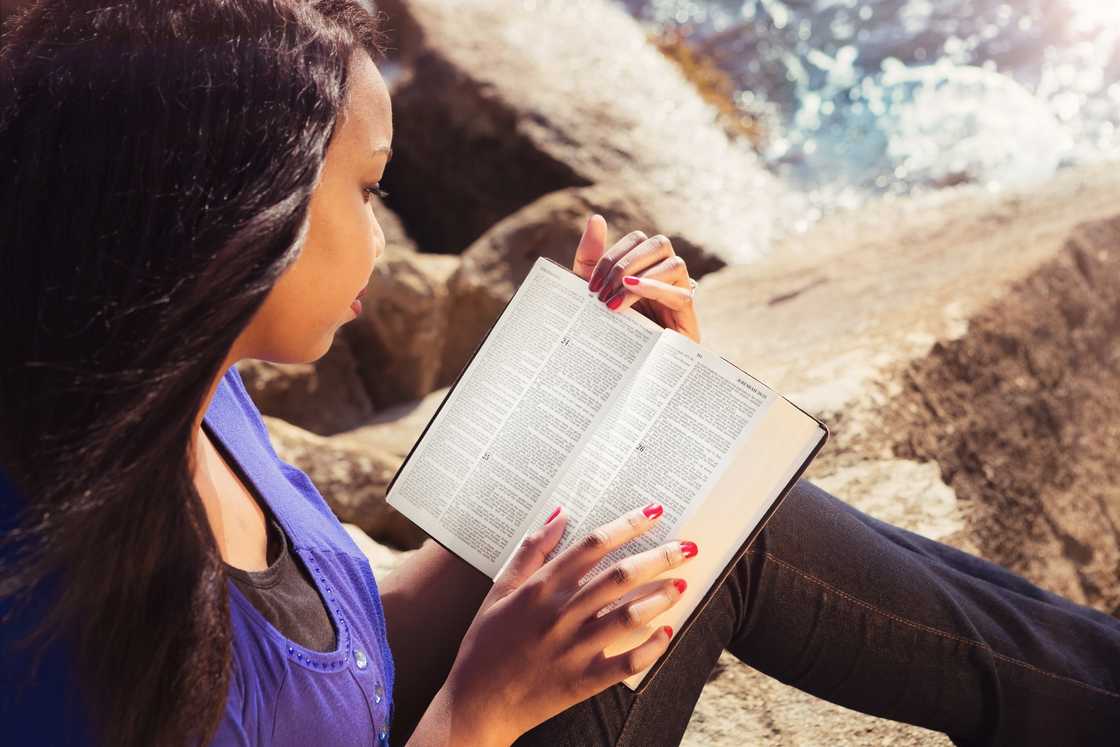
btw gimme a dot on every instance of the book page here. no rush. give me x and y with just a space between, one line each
762 465
666 440
544 373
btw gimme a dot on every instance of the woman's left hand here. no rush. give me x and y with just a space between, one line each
661 291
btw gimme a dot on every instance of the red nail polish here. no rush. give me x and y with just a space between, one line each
668 630
653 510
630 280
554 515
614 303
594 284
689 549
680 584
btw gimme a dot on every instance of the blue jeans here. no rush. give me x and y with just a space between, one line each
884 621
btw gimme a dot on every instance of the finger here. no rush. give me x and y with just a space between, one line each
624 575
667 294
591 245
673 270
612 255
530 555
623 619
610 670
642 256
581 556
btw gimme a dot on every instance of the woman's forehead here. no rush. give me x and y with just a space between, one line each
368 115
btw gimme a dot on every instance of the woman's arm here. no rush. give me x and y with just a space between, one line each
429 602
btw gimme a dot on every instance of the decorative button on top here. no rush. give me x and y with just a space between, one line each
378 692
383 735
360 658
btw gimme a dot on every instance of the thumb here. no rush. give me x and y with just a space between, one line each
530 555
591 246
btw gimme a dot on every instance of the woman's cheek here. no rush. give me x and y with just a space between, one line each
297 325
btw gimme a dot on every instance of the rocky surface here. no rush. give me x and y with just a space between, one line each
965 333
493 266
324 397
965 353
400 337
961 346
963 349
504 106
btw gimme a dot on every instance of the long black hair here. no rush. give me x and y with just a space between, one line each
157 159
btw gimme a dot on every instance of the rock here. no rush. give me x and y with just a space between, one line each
398 341
496 264
397 429
351 477
324 397
396 238
500 114
382 560
907 494
1022 414
976 333
742 706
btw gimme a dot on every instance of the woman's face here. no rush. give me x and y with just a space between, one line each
312 298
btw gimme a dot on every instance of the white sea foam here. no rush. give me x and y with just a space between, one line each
899 96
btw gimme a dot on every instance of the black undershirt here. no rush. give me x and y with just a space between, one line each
285 594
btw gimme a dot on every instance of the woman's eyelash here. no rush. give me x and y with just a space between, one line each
376 190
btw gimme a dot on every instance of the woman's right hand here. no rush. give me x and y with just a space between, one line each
536 645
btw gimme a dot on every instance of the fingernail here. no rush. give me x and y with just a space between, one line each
653 510
614 303
689 549
680 584
668 631
595 283
554 515
630 280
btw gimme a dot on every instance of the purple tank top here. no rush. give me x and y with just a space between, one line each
281 693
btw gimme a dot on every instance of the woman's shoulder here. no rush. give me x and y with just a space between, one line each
291 492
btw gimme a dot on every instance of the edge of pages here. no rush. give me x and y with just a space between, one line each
639 681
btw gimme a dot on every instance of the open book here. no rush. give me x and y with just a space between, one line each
567 402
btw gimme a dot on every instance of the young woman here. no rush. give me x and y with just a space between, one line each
187 185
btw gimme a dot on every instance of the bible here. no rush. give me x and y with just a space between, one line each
567 402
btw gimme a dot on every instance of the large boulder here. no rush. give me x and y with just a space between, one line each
398 341
396 429
504 105
324 397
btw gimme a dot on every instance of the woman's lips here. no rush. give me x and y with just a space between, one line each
356 304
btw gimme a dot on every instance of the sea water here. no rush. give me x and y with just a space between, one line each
860 99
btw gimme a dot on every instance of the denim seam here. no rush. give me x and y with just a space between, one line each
626 721
929 629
